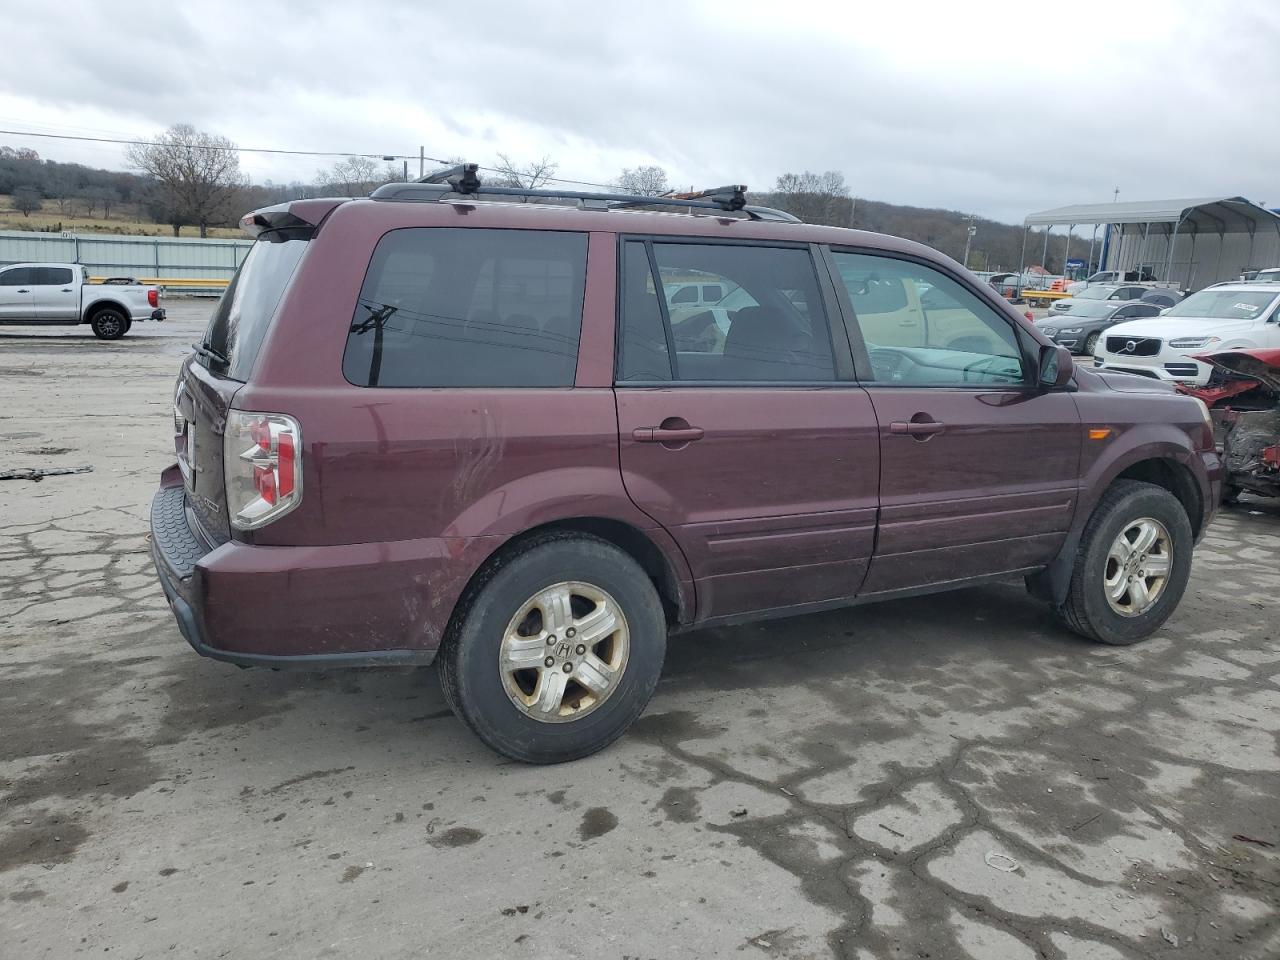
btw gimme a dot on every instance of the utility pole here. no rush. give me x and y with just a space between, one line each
1115 194
422 160
970 232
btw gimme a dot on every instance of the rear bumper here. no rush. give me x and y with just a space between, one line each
352 605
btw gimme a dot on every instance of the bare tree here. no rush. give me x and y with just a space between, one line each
198 172
648 181
527 176
815 197
352 177
26 200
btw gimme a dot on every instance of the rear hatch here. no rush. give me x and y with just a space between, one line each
222 363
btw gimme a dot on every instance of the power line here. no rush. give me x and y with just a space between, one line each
274 150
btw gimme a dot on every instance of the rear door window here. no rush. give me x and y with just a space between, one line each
449 307
53 276
770 328
243 315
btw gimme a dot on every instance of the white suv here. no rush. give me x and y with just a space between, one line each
1228 316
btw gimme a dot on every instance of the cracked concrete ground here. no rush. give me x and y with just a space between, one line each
945 777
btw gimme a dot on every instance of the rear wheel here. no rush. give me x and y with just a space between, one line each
1132 565
109 324
558 652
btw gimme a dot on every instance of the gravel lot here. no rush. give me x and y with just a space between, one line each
944 777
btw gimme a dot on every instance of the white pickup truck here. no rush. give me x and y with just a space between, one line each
60 293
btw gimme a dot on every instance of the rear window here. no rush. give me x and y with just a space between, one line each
52 276
243 315
448 307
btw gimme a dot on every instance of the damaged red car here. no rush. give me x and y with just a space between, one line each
1243 397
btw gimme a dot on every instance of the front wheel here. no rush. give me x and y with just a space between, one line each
1132 565
558 651
109 324
1091 344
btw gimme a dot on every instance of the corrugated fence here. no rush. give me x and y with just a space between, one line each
116 256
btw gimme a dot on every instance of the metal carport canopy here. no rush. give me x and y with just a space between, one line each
1215 214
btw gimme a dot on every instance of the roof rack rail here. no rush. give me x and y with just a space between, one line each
464 180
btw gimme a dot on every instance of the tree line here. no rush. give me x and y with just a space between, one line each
185 177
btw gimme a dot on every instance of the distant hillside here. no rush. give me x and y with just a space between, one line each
71 197
996 246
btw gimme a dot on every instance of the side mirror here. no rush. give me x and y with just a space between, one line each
1055 366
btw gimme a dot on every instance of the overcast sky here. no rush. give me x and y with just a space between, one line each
984 107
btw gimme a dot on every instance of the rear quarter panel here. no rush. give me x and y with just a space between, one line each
458 471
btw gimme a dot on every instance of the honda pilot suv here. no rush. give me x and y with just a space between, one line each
456 423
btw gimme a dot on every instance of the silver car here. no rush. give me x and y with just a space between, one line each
1124 292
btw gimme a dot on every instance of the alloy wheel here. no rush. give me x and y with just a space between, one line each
1138 566
564 652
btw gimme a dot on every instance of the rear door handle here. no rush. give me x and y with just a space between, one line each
915 428
666 434
24 291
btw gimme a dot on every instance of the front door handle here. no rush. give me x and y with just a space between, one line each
24 291
666 434
922 429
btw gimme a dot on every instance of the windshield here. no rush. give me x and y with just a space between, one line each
240 321
1268 276
1224 305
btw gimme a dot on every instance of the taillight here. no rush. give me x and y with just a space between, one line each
262 466
153 297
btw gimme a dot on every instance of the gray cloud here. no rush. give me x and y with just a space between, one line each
930 104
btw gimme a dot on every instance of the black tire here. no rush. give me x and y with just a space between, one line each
468 660
109 324
1091 343
1087 610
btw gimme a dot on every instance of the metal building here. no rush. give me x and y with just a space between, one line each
1193 242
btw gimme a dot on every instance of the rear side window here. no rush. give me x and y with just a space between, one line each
243 315
768 327
53 276
448 307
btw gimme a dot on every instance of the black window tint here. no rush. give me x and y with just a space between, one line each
685 295
52 276
770 327
240 321
642 347
713 293
453 307
19 277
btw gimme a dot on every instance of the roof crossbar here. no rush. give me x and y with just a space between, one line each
464 179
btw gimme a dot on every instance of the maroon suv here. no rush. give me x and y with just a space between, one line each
527 436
